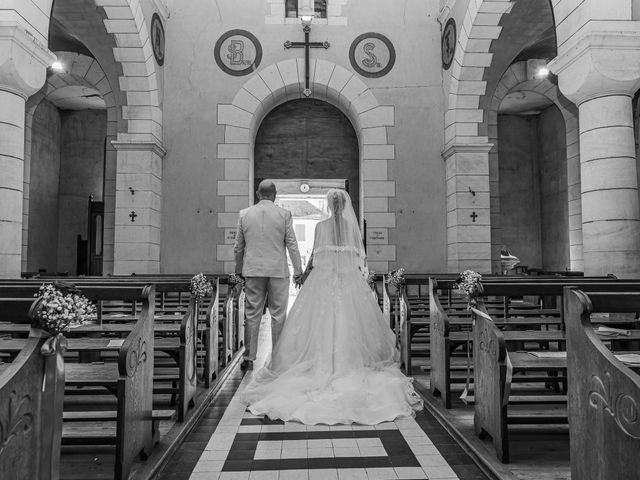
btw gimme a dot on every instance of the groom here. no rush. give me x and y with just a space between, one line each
264 231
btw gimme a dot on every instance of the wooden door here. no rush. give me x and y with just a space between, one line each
308 140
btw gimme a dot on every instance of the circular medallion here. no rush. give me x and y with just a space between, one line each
157 38
304 188
238 52
372 55
448 43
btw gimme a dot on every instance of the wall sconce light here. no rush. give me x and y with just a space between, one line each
133 192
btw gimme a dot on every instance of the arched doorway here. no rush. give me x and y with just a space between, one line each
306 140
310 144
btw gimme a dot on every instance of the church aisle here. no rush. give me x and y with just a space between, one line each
231 443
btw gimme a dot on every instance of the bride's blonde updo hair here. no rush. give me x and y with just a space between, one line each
335 202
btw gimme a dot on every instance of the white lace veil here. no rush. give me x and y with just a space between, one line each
341 229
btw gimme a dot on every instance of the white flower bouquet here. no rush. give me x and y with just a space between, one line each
396 278
235 279
62 307
469 283
200 286
371 278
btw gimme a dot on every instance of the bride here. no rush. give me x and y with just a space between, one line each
336 360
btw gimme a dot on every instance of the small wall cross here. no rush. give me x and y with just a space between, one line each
473 216
133 216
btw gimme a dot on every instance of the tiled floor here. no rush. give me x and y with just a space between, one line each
231 443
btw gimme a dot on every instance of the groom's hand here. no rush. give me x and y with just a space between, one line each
297 280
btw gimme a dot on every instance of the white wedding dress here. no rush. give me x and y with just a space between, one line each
336 360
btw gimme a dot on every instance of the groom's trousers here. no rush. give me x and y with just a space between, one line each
257 290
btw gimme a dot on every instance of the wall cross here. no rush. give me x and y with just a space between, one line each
306 45
473 216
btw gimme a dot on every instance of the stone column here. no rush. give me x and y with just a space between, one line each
138 207
600 72
468 207
23 64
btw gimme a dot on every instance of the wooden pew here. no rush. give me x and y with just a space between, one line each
493 370
233 322
604 393
443 339
31 413
132 377
211 337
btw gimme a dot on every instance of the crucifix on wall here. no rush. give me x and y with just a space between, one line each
306 28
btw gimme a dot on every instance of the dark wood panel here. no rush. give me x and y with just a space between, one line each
308 139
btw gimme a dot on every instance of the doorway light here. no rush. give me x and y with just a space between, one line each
57 66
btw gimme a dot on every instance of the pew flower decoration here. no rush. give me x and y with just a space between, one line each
396 278
235 279
469 284
371 278
61 307
200 286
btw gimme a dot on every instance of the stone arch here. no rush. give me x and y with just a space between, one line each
81 70
517 79
126 22
332 83
139 150
466 150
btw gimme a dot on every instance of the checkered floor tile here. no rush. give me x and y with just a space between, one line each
244 446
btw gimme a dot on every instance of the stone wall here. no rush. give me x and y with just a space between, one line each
519 188
206 176
42 249
81 175
533 188
552 154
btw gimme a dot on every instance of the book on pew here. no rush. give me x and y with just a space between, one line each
116 343
631 359
549 354
612 332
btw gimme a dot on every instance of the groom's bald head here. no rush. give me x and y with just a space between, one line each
266 190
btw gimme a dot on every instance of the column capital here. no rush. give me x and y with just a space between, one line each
23 60
601 59
139 146
466 148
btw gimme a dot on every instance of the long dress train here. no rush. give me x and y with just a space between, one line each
336 360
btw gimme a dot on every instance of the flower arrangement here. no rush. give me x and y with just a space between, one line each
235 279
469 284
371 278
200 286
61 307
396 278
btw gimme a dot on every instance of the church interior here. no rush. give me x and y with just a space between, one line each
491 136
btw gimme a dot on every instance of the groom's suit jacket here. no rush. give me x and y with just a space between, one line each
265 232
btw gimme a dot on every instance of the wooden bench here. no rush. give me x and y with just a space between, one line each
182 346
31 413
604 393
493 372
443 338
130 378
496 369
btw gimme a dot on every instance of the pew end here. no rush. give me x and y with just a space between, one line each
604 393
31 413
439 347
